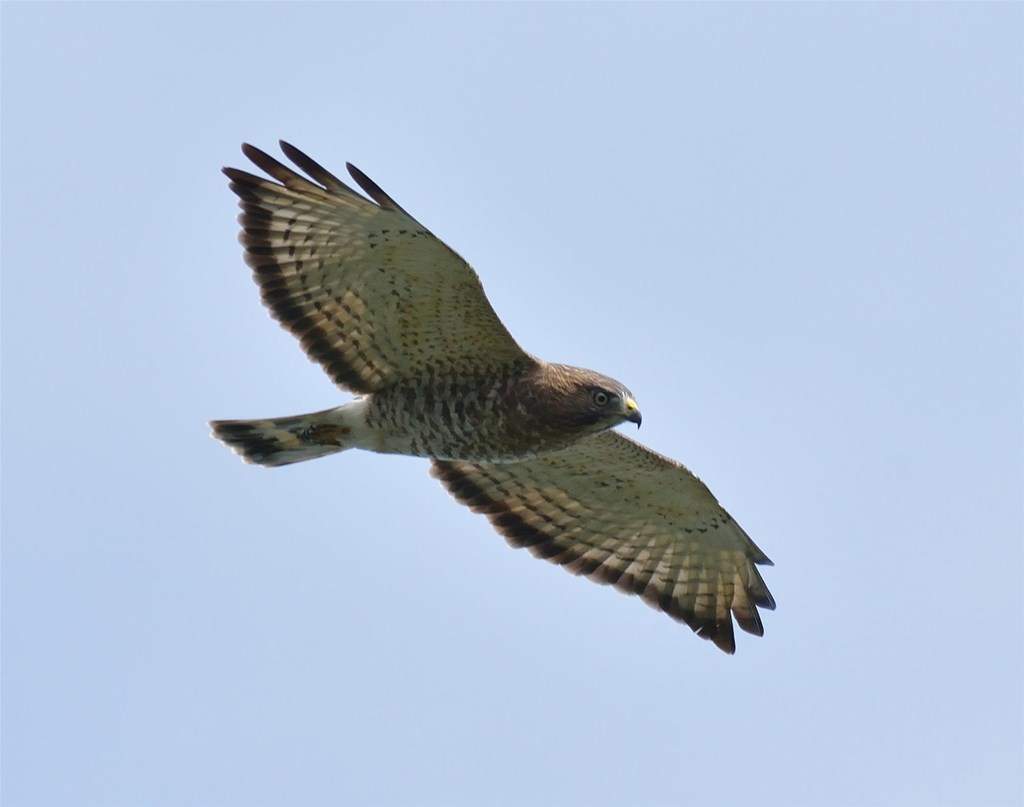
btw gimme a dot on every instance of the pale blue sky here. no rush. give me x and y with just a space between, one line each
795 231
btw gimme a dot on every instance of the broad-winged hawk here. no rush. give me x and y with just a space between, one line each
396 317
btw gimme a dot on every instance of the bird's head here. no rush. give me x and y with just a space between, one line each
592 402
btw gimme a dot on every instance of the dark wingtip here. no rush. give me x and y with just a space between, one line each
249 151
253 153
373 190
313 168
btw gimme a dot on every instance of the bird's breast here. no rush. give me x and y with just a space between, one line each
467 420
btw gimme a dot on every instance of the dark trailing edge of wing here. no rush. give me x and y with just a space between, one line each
520 534
257 199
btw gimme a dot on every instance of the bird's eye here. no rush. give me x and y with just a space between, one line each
600 397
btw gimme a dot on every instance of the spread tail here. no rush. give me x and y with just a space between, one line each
282 441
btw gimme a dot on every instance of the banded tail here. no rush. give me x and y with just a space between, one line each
282 441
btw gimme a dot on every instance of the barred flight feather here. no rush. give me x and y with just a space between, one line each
551 507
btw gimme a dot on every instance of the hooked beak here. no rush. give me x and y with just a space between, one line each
633 412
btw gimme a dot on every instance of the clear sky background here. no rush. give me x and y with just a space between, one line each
795 231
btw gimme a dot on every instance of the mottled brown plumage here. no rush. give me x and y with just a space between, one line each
394 315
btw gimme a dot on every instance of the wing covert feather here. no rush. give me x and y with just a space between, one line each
620 514
372 295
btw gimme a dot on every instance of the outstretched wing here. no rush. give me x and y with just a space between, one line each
373 296
620 514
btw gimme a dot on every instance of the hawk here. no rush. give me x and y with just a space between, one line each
396 317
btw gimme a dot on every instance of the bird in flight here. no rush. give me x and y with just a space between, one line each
396 317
